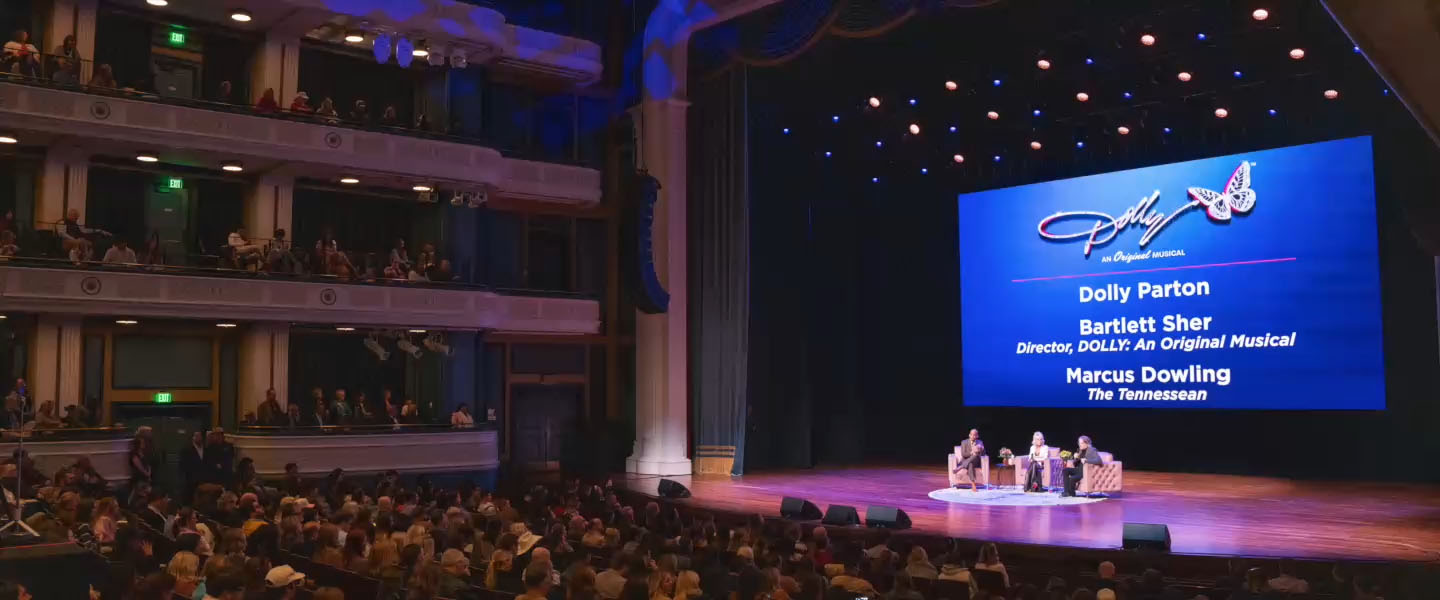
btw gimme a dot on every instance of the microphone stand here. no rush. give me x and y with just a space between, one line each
16 511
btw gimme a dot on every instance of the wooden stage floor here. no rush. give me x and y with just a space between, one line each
1207 514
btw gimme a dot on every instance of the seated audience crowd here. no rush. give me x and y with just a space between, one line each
230 535
341 411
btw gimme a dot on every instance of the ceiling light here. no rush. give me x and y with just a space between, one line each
958 158
158 2
1331 94
147 156
874 102
240 15
992 115
1183 76
914 129
225 325
1123 130
8 139
344 329
1221 113
1297 53
422 49
420 187
3 317
1035 146
1260 14
1043 64
1147 39
952 86
418 331
354 37
126 322
1083 97
233 166
349 180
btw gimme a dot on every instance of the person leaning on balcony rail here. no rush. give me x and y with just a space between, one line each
67 62
120 253
21 57
104 77
72 232
301 104
461 418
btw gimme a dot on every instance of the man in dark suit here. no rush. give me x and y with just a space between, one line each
219 459
317 417
969 458
1075 471
192 465
155 506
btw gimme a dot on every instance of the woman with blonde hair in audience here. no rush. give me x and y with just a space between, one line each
989 560
185 568
327 547
103 520
383 555
662 584
502 562
581 585
687 586
232 541
918 564
594 536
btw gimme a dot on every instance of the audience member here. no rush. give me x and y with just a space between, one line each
282 582
225 92
246 253
461 417
340 410
21 57
918 564
327 111
1287 583
267 102
67 61
8 247
120 252
455 576
360 113
389 117
989 560
301 104
154 252
104 77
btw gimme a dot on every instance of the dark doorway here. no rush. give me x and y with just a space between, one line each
546 419
173 424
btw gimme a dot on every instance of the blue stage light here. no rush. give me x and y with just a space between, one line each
953 129
1035 112
996 83
1357 49
1128 95
786 130
1200 36
1167 130
835 119
879 144
827 154
997 158
1089 61
1274 112
874 180
924 171
1238 74
1079 144
912 102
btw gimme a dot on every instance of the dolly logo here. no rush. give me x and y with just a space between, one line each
1237 198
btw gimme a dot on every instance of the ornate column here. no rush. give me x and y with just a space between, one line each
55 371
264 365
276 66
64 178
269 206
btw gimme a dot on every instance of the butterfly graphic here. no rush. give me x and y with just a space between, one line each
1237 197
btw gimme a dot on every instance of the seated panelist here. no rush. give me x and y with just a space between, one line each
968 459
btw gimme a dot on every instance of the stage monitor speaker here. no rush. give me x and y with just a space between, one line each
670 488
799 508
1146 536
839 514
886 517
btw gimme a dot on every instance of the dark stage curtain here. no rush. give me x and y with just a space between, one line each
719 230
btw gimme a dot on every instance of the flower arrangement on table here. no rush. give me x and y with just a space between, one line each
1006 455
1066 456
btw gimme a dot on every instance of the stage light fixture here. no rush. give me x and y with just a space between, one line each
458 58
6 138
992 115
954 129
349 180
1331 94
1297 53
879 144
912 102
1083 97
1036 112
1036 146
874 180
785 131
1089 61
418 331
147 156
457 199
996 83
1080 145
1238 74
1260 14
1183 76
1273 112
835 119
421 49
1122 130
233 166
952 86
958 158
924 171
874 102
1043 64
914 129
1128 95
1201 36
241 15
1221 113
126 322
354 37
828 154
1147 39
420 187
158 2
225 325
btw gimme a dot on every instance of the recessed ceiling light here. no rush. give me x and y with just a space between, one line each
958 158
420 187
1043 64
1036 145
126 322
158 2
344 329
1083 97
8 139
914 129
418 331
952 86
421 50
3 317
147 156
1260 14
1331 94
354 37
225 325
874 102
1183 76
1147 39
1123 130
1221 113
992 115
233 166
1297 53
240 15
349 180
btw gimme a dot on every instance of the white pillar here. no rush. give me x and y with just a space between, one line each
64 177
264 365
276 66
55 375
77 18
269 206
662 395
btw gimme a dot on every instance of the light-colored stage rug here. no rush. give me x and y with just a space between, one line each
1008 496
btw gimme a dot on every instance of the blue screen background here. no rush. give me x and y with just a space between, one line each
1315 204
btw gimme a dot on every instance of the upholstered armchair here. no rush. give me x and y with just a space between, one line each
982 474
1054 468
1105 477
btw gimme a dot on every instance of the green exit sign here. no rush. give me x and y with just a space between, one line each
175 183
164 398
177 38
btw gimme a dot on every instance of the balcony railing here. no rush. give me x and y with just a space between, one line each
85 76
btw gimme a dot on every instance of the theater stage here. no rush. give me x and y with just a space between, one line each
1207 514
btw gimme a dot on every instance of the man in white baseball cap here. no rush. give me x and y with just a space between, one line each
283 576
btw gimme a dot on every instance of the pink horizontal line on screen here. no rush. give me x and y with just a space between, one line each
1237 263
